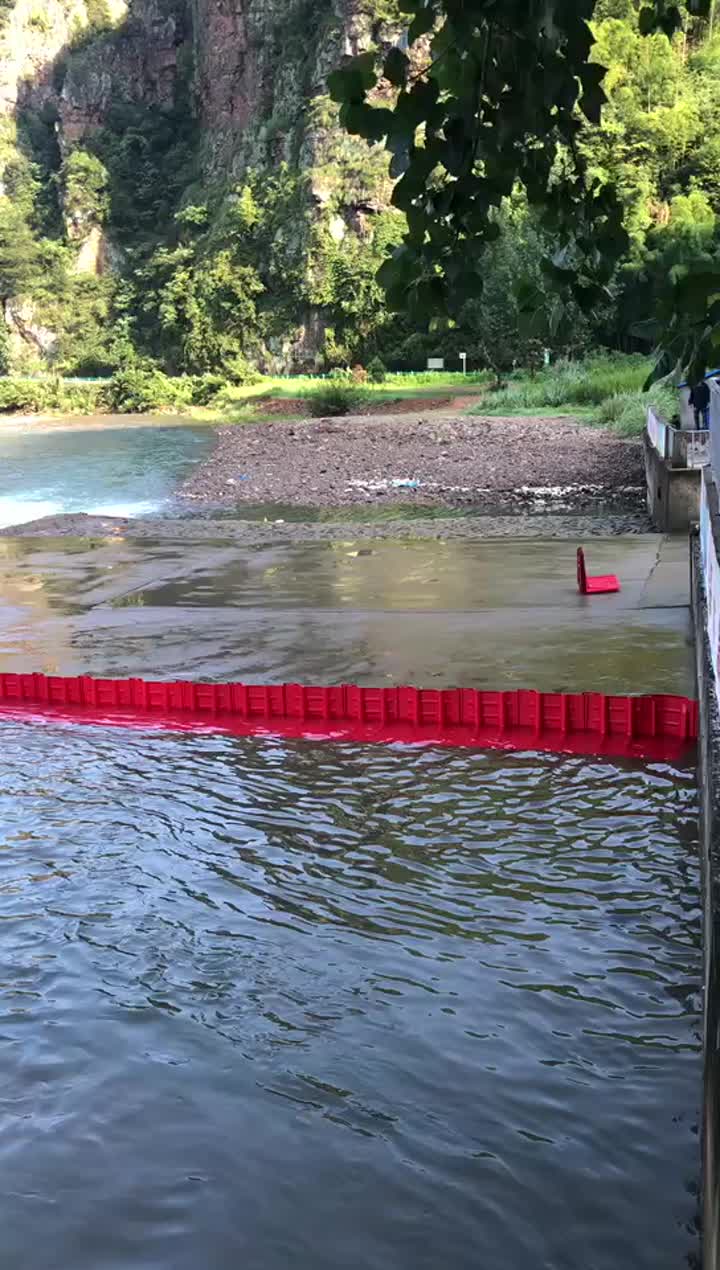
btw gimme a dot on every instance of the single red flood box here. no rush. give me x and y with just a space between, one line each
601 584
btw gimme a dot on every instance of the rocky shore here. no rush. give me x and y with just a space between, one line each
401 476
488 464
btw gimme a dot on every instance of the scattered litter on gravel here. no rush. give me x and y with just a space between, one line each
549 478
438 460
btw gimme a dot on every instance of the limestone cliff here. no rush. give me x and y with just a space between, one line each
34 36
243 83
254 68
134 60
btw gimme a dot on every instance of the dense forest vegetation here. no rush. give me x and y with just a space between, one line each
211 276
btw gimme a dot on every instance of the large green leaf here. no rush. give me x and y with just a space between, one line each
395 68
353 79
371 122
593 96
423 22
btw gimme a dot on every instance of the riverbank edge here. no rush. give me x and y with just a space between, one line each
57 421
259 410
246 533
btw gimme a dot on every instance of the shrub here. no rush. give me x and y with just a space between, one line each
137 389
205 388
359 375
625 412
237 370
34 396
39 20
26 396
335 398
377 372
84 399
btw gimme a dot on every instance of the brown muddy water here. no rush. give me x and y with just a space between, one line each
318 1005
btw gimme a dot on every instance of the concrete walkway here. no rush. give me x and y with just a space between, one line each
493 614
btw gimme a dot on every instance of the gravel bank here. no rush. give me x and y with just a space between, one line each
420 459
255 533
521 478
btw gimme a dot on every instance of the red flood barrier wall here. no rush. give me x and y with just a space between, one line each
658 726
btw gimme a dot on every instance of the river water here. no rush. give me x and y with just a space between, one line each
282 1004
105 469
323 1006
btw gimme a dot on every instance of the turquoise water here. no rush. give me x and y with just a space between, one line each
118 471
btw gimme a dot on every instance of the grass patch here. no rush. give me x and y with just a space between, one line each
625 412
420 384
585 383
604 390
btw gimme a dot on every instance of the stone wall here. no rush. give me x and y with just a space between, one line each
673 493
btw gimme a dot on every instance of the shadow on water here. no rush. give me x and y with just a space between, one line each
325 1005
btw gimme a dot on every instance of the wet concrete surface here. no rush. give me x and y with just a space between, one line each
489 613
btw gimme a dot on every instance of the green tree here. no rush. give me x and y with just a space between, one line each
487 98
201 298
84 182
18 252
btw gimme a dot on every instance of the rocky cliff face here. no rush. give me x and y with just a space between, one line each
258 63
135 60
34 37
245 77
253 67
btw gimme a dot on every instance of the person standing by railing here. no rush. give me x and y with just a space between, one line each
700 402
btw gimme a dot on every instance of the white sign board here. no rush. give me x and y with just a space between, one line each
436 363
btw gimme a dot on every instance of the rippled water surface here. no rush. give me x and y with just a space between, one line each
269 1005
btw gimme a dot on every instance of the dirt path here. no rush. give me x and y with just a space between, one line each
422 458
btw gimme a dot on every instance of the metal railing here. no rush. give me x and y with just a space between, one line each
680 446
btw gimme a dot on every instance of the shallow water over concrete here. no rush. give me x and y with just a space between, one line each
276 1005
492 614
104 469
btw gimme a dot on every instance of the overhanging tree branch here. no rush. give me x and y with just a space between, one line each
480 118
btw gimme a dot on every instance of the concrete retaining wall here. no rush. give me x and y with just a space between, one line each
709 798
673 493
709 793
